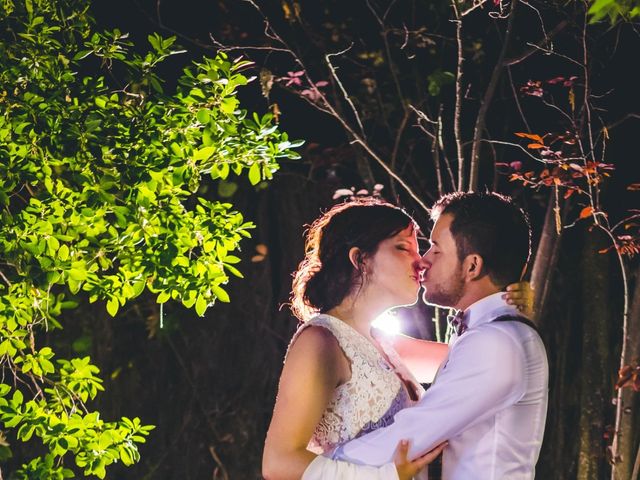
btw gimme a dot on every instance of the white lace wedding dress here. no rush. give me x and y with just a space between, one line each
371 397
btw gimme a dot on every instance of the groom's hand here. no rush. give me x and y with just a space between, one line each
408 469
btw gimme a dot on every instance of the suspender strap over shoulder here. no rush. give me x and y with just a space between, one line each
517 318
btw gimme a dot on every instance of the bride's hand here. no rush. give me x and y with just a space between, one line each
522 296
408 469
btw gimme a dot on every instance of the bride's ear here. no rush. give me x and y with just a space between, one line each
355 257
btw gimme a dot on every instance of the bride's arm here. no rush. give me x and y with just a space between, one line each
314 367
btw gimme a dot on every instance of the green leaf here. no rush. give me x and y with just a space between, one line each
203 153
221 294
63 252
254 174
101 102
201 305
112 306
203 115
163 297
156 41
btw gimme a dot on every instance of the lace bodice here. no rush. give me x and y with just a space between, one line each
371 397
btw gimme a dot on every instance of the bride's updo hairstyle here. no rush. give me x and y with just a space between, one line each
326 276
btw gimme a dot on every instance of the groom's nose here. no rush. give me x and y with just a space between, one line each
424 263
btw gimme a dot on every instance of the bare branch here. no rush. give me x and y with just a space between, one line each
387 50
517 100
477 4
390 172
486 101
332 69
622 120
546 40
5 278
458 108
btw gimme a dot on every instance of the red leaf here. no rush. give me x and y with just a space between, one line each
628 377
535 145
586 211
555 80
530 136
516 165
634 187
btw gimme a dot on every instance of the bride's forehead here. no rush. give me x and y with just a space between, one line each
408 234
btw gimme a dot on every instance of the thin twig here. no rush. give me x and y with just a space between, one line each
546 40
486 101
517 100
216 458
636 466
621 120
472 8
458 107
387 50
5 278
549 51
444 152
334 74
396 143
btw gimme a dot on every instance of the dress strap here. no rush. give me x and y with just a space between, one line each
349 340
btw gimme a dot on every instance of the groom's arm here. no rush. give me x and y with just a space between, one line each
484 374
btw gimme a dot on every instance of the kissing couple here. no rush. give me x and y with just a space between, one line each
348 407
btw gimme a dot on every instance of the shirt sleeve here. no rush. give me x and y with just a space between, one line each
484 373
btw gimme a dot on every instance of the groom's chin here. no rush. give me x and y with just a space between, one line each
426 298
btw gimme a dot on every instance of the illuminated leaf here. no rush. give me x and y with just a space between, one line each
113 306
586 212
530 136
254 174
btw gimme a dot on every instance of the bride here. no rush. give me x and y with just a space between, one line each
340 379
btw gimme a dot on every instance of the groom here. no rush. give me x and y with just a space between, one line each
489 398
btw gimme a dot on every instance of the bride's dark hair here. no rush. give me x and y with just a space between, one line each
326 276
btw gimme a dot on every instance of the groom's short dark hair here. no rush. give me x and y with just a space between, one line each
492 226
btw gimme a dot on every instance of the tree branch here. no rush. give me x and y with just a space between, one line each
486 101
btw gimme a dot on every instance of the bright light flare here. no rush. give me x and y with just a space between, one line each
388 322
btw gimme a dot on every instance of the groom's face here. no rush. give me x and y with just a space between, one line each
442 280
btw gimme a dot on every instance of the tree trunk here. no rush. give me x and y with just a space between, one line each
630 425
546 257
595 392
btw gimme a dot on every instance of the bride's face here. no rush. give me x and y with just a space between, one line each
393 272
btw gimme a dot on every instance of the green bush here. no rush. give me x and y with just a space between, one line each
98 168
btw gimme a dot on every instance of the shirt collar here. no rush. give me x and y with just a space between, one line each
488 308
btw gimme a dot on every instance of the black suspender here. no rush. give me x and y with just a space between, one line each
517 318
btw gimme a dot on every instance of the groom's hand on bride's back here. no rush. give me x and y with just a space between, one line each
407 469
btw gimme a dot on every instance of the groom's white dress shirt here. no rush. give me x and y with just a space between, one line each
489 400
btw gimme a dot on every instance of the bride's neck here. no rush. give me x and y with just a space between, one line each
356 313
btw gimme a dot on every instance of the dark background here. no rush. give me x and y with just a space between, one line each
208 384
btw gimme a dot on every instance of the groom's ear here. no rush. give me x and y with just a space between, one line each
472 267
